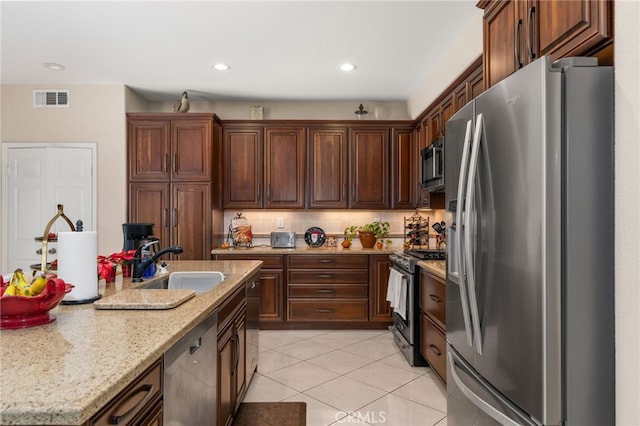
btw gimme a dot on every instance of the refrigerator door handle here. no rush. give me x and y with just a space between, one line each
462 181
494 413
468 211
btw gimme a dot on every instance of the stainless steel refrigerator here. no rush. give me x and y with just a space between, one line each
530 283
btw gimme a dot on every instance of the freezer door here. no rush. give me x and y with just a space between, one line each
510 238
471 401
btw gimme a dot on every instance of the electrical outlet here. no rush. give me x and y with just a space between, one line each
280 222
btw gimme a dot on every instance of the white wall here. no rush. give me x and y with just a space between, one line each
96 114
464 50
627 208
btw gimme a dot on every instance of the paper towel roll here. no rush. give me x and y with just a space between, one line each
78 264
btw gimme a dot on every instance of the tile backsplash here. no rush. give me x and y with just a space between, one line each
332 222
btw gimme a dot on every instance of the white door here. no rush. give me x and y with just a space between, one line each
37 179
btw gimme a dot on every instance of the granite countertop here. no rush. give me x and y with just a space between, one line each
436 267
65 371
354 249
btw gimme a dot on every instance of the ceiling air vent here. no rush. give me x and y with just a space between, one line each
51 98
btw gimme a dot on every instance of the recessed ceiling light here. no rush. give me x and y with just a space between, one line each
221 67
347 67
53 66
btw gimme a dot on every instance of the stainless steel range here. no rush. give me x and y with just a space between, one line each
406 331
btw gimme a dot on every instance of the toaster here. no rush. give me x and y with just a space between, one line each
283 239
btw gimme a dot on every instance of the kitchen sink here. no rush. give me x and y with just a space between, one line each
200 281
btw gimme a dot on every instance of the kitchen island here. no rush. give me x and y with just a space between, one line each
64 372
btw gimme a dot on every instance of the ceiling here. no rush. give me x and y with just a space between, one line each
285 50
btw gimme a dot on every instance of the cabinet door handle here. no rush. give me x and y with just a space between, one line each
175 162
435 350
196 345
268 192
117 419
175 217
434 298
325 275
325 290
324 311
237 339
516 45
344 191
259 192
532 54
164 218
327 261
165 165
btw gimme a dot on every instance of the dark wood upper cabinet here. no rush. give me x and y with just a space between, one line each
170 148
404 168
327 168
242 167
369 168
517 32
284 155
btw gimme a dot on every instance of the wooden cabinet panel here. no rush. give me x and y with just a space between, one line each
284 166
191 148
327 276
271 285
232 331
149 202
379 308
148 149
242 168
433 297
433 346
271 295
134 403
303 261
328 291
475 84
191 219
327 310
502 27
154 417
328 173
226 400
571 28
369 168
404 169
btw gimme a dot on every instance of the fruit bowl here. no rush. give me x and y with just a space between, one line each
23 312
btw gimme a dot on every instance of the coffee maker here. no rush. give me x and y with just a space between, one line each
136 235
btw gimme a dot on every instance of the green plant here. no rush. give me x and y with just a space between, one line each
379 229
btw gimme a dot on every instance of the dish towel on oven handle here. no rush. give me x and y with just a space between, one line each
397 293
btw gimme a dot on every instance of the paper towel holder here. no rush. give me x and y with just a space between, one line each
45 236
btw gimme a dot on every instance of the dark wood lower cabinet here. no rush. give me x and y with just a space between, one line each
379 308
231 356
433 341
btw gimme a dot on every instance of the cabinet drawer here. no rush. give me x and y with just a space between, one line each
332 261
132 401
330 276
269 261
328 310
433 297
329 291
433 346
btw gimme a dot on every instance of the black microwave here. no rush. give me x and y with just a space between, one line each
432 166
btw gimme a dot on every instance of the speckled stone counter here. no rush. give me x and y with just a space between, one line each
354 249
64 372
436 267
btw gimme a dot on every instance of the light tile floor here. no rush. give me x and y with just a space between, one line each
347 377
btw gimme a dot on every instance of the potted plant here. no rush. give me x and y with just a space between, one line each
368 233
349 233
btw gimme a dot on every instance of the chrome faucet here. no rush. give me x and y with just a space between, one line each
140 265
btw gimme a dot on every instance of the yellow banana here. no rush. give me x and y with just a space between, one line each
38 285
23 286
10 290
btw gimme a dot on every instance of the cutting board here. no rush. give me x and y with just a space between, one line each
145 299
